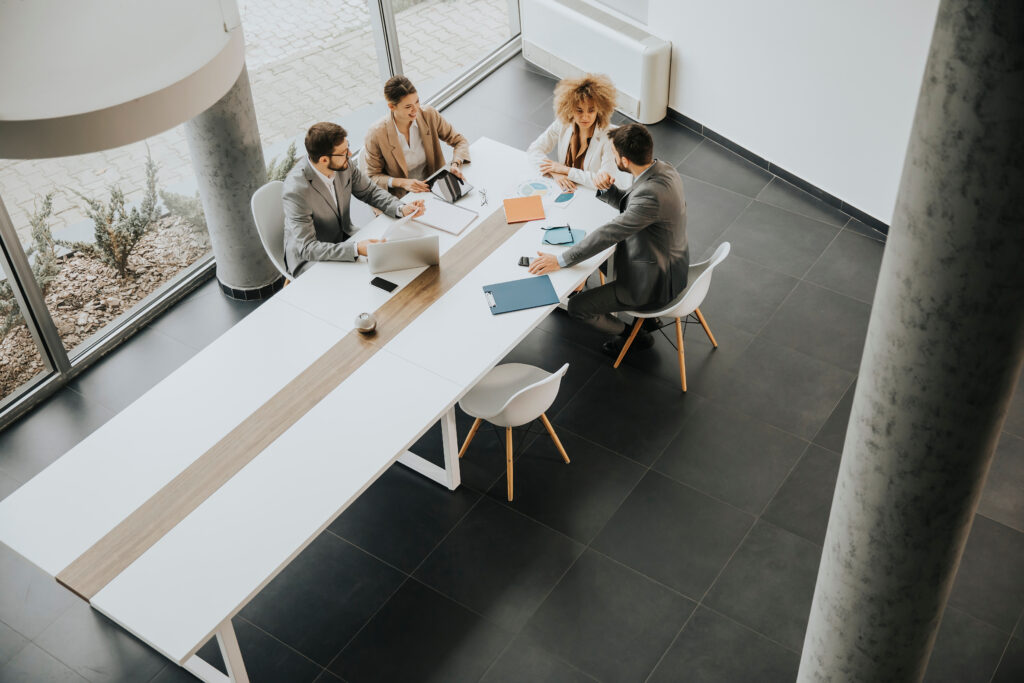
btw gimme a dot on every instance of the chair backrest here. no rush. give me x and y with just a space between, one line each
268 212
699 277
528 403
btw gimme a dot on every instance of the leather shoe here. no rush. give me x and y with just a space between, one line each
612 347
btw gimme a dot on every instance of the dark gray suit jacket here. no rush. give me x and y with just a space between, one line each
651 256
313 228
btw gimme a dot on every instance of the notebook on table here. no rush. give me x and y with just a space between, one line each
516 295
522 209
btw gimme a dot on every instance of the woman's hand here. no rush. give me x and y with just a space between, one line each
456 170
411 185
548 167
564 182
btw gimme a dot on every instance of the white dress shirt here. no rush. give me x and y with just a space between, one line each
328 182
412 150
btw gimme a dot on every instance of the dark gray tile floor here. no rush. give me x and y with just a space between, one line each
681 543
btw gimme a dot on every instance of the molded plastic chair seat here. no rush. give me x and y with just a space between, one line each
511 395
684 306
268 213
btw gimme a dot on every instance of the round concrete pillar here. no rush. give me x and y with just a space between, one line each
224 142
941 359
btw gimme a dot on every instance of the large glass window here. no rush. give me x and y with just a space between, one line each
20 359
109 229
440 39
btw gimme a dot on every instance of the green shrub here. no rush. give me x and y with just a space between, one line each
190 209
117 229
45 266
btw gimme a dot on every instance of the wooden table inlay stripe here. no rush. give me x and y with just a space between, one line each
126 542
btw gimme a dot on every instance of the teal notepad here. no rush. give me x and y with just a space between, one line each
515 295
563 237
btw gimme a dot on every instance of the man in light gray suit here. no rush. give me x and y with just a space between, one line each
651 256
316 196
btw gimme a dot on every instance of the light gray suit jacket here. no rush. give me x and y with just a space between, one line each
313 229
652 259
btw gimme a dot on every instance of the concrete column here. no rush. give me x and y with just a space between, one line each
224 142
942 356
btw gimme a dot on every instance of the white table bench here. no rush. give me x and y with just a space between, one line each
188 584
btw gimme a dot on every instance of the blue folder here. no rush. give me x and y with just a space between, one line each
563 236
515 295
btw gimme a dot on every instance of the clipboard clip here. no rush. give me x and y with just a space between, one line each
490 299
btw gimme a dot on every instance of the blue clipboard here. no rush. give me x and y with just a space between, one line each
516 295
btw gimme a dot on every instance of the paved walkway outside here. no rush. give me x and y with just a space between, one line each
308 60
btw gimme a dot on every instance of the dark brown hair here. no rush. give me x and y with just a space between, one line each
398 87
322 138
634 142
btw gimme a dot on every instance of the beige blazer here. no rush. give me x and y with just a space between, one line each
383 152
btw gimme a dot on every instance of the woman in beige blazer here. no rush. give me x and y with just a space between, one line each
579 135
404 147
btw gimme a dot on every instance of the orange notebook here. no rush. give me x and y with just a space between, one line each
522 209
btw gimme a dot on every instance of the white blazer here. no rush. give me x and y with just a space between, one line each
599 157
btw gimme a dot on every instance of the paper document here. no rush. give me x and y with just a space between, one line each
403 229
444 216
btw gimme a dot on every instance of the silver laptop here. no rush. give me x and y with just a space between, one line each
402 254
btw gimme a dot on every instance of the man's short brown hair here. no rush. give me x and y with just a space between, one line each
634 142
322 138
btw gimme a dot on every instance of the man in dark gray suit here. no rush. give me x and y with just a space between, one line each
651 256
316 196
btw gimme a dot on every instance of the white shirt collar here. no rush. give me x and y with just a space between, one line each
328 179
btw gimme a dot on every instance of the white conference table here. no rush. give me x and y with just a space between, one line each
186 586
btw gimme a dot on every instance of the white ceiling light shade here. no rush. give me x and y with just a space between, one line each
89 75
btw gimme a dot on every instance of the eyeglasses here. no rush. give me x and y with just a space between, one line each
346 154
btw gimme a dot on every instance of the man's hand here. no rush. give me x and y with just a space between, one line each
548 167
604 180
411 185
544 264
456 170
361 246
564 182
414 209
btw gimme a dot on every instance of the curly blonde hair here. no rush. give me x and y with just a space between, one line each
572 91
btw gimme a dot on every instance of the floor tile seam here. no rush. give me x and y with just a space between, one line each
1002 656
483 617
290 647
671 644
733 506
797 280
444 538
780 179
782 482
524 515
804 279
9 475
881 238
812 358
687 155
495 660
367 552
553 655
365 623
86 397
751 629
716 185
657 582
48 654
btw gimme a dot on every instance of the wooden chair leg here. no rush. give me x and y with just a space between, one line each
601 276
632 336
704 324
682 359
469 437
554 437
508 460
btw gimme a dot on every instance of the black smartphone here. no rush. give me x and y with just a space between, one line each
525 261
386 285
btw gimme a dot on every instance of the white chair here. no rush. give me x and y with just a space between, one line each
268 212
685 307
511 395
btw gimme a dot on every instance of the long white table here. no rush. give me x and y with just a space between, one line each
188 584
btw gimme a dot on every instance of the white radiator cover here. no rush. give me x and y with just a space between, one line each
570 38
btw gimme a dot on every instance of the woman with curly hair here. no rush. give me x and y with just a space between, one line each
583 110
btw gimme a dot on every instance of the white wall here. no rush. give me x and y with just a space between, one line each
826 89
